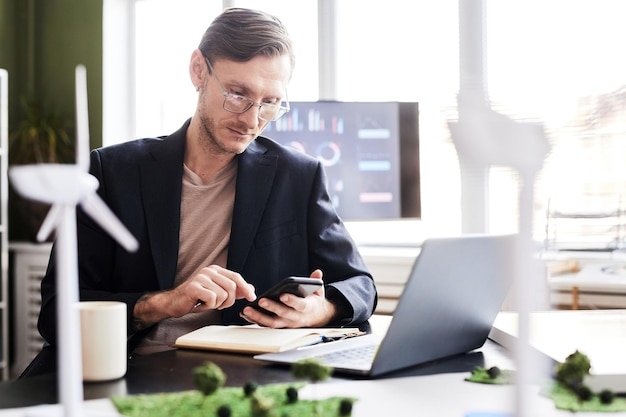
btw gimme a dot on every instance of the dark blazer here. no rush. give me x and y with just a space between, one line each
283 224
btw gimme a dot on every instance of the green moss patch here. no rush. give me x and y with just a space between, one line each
483 376
195 404
566 399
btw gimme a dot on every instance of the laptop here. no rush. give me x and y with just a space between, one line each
455 290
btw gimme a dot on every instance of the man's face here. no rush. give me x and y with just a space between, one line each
262 79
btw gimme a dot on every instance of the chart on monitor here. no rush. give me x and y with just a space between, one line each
370 152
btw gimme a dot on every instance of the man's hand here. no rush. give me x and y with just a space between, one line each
293 311
212 288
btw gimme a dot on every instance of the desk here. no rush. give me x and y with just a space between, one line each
171 371
436 389
600 280
600 334
598 285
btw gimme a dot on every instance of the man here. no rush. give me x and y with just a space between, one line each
221 213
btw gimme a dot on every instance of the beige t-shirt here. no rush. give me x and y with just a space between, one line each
206 213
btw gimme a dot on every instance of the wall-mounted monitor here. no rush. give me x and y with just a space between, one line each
370 151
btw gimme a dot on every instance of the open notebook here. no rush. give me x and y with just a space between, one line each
257 339
455 290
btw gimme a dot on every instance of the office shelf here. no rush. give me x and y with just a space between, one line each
4 241
597 223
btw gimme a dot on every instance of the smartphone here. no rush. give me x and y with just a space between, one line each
299 286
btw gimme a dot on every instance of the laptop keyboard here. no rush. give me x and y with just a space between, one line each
357 356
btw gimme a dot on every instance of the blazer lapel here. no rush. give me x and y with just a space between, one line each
161 179
255 175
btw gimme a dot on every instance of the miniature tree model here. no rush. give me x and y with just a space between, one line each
249 388
208 378
311 369
572 372
261 406
494 372
292 394
345 407
606 396
224 411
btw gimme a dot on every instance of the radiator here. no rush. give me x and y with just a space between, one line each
29 267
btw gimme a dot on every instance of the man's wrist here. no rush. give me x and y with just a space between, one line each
144 313
343 310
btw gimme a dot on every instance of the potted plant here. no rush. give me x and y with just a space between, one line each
40 137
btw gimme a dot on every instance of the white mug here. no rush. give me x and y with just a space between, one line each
103 340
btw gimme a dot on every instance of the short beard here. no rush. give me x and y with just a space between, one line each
207 140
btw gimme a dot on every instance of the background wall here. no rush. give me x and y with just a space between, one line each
41 42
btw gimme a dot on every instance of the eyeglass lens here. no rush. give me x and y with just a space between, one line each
239 104
236 103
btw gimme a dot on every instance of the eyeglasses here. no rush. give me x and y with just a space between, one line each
236 103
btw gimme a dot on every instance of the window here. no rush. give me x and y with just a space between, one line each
166 33
557 62
560 62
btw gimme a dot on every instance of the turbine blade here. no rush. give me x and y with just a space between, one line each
51 221
102 214
82 119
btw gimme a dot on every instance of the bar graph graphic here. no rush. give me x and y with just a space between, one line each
358 144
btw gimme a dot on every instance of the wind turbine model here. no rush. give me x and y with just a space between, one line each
65 186
488 138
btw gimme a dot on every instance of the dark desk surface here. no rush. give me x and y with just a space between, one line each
171 371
